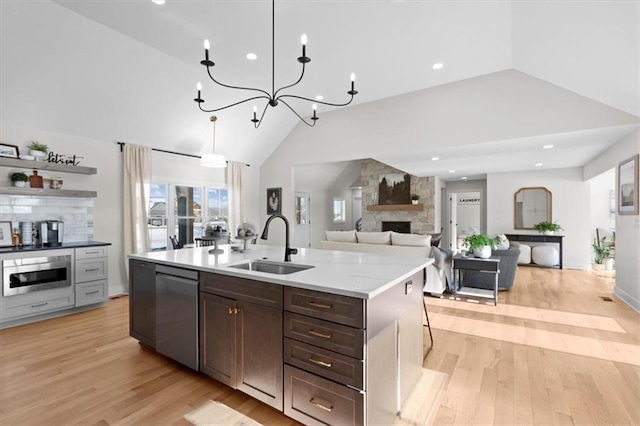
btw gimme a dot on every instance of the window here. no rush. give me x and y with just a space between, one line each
338 210
185 214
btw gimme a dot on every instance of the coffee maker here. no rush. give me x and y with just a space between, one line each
51 232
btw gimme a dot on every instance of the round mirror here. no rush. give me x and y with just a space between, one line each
531 206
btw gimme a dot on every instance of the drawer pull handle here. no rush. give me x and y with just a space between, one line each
320 305
92 270
91 252
317 404
92 292
319 334
320 363
40 304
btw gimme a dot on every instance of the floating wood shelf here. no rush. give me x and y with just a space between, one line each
42 192
43 165
396 207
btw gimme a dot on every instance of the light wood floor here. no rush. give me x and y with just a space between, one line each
506 365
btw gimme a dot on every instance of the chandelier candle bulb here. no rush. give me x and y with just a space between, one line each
303 39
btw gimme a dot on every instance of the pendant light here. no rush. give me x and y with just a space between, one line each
213 160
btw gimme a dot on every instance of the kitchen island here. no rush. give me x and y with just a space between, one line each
337 343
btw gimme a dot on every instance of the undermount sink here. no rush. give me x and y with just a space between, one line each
271 267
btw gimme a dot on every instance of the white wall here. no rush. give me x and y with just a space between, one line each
601 188
627 285
570 208
107 158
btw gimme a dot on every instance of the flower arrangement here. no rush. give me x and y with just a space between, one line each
477 241
37 146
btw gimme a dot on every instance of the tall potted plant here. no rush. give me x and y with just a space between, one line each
601 251
547 228
480 245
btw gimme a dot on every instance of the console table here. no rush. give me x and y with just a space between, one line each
468 263
540 238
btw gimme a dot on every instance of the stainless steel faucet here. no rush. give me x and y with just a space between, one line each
288 251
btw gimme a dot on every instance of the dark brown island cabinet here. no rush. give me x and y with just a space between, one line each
320 358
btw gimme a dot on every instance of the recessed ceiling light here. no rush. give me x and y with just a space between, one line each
437 66
539 164
319 98
547 147
252 56
452 171
158 1
435 158
464 178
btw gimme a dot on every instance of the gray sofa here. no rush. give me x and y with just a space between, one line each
508 266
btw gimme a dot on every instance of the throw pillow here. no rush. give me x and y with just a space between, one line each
374 237
504 242
400 239
342 236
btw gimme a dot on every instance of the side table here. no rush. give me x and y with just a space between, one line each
489 266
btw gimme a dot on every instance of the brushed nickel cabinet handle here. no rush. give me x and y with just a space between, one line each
320 305
320 363
317 404
92 270
319 334
92 292
39 305
91 252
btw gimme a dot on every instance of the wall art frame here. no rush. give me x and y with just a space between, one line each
9 151
628 186
274 201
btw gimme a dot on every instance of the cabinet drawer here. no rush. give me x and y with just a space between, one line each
313 400
91 292
266 294
91 252
91 269
36 307
339 338
331 307
334 366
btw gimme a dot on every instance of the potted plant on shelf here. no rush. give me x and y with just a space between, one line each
601 250
415 198
547 228
480 245
19 179
37 149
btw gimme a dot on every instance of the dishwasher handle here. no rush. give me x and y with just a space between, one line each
177 272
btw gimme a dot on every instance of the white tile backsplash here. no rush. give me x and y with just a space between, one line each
76 213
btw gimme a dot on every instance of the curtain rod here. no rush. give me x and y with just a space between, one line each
122 144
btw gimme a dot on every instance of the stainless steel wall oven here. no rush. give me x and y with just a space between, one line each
26 275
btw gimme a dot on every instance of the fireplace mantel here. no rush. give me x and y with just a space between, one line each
396 207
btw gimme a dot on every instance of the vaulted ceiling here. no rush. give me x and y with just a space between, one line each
127 71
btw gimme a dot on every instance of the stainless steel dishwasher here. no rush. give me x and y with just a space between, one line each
177 314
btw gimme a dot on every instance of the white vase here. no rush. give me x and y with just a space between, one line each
414 202
548 232
608 264
20 183
483 252
37 154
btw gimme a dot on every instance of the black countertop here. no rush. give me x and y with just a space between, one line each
5 250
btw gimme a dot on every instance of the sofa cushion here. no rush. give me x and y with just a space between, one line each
504 242
374 237
400 239
342 236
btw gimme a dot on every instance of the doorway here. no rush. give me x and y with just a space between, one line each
302 222
463 212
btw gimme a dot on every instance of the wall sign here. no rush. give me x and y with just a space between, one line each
72 160
466 201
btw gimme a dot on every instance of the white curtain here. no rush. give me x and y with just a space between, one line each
235 186
137 180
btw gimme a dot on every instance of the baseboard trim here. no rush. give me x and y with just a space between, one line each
626 298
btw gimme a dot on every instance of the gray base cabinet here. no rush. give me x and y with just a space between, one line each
142 302
241 336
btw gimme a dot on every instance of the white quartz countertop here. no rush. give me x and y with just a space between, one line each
361 275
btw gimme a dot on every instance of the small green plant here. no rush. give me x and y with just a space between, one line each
415 197
547 227
601 249
477 241
37 146
19 177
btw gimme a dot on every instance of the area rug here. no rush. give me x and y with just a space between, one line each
216 413
419 409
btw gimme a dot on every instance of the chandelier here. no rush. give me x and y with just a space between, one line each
213 160
275 97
